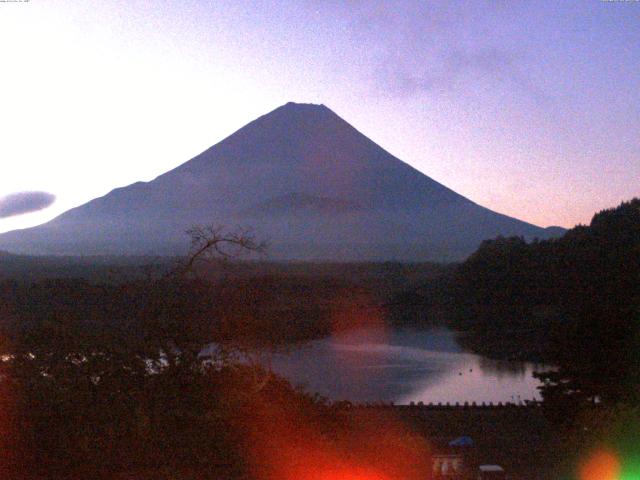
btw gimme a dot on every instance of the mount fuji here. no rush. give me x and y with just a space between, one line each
302 179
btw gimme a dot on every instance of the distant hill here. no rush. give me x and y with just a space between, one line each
301 178
555 232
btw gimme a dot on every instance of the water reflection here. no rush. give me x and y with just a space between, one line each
502 368
408 365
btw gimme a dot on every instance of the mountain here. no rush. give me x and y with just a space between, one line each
299 177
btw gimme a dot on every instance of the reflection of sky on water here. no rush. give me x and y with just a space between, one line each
502 368
404 366
469 382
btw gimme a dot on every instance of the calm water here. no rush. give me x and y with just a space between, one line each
404 366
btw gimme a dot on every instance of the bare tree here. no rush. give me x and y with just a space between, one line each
210 242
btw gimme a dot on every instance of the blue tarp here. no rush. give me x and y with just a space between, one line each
461 442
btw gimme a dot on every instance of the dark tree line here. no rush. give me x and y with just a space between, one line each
572 301
101 380
115 382
160 377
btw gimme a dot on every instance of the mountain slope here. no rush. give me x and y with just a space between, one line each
301 178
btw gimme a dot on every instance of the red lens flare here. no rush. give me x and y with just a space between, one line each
288 439
601 465
293 442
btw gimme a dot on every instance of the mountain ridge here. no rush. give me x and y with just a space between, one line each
294 176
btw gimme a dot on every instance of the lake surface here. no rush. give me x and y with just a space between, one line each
405 366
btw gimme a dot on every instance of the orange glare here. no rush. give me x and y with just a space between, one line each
352 474
289 443
602 465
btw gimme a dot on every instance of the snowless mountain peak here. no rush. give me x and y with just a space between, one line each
301 178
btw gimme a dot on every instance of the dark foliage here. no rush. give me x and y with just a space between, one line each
98 380
163 375
572 301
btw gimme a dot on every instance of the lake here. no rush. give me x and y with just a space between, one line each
404 366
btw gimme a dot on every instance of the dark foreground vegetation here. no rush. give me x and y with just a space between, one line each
126 388
573 302
163 372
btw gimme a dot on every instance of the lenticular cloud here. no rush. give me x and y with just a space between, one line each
24 202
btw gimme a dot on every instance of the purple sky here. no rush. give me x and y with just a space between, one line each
529 108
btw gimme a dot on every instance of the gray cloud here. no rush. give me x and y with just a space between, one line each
416 47
452 65
445 68
24 202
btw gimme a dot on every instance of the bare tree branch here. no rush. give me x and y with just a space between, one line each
210 242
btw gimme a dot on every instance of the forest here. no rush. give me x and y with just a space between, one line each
572 301
165 372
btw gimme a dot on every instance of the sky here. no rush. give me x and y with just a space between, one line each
530 108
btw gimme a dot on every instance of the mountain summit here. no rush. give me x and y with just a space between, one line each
299 177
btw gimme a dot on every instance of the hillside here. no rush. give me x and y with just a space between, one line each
300 178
